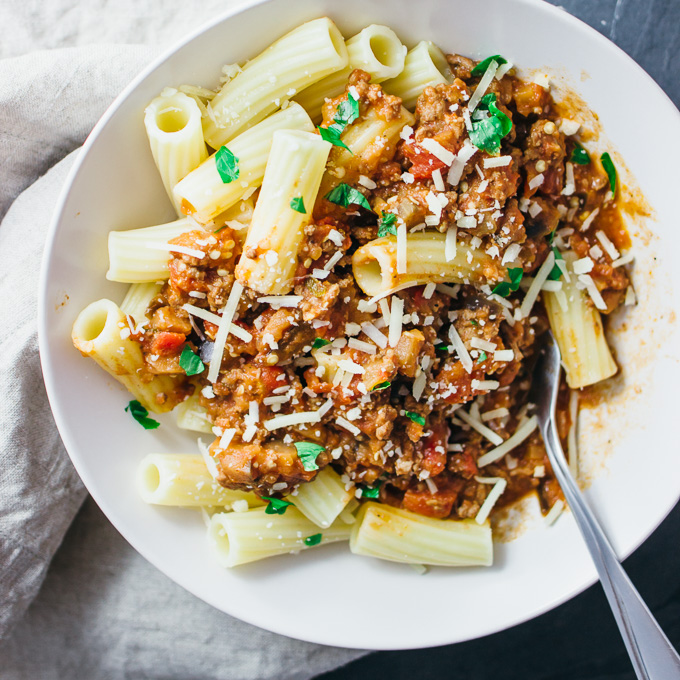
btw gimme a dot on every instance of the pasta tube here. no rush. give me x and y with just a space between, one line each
192 416
425 66
298 59
294 171
182 479
402 536
324 498
203 193
137 300
239 538
578 330
376 50
101 332
173 126
142 255
375 264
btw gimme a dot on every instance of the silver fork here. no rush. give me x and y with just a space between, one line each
651 653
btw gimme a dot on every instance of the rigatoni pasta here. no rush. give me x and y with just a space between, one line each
348 314
183 480
299 59
291 181
102 333
173 126
425 66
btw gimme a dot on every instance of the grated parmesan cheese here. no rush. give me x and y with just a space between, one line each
484 83
396 319
497 161
437 150
461 350
522 433
536 285
499 485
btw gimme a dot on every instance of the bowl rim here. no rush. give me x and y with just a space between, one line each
62 420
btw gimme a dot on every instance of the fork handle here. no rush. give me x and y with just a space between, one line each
650 651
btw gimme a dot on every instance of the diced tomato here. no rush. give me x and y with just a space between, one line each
438 504
269 376
434 450
167 343
424 163
315 383
465 464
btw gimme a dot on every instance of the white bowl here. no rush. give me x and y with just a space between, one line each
329 595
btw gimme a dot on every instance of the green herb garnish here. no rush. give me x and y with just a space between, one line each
381 386
298 205
345 195
370 491
276 506
227 165
314 539
443 347
320 342
346 113
386 224
551 237
580 156
308 452
415 417
504 288
141 415
332 134
489 125
482 357
190 362
556 272
608 165
480 69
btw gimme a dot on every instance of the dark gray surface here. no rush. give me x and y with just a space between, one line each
579 640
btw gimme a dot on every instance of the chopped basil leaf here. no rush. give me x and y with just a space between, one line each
386 224
298 204
276 506
332 134
141 415
489 125
443 347
190 362
227 165
482 357
381 386
579 156
551 237
416 418
556 272
608 165
347 111
504 288
314 539
473 322
320 342
345 195
371 491
308 452
480 69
